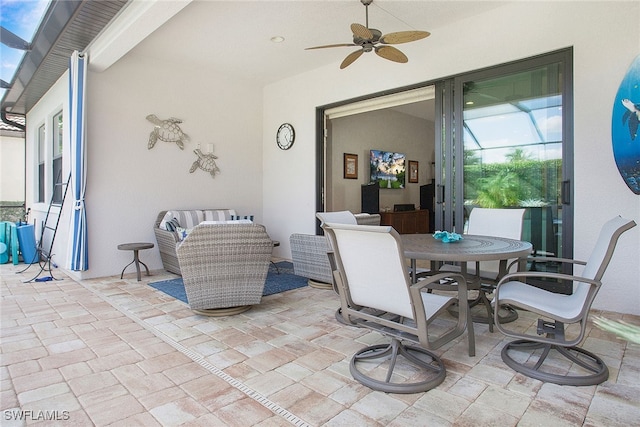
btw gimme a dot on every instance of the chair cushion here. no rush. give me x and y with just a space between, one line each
185 219
183 232
237 217
231 221
218 215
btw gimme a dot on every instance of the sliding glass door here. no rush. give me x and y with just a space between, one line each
500 137
506 142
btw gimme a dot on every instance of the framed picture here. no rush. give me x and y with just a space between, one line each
350 166
387 169
413 171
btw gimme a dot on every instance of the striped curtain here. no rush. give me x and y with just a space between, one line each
79 254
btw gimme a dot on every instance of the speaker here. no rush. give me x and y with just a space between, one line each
370 198
426 196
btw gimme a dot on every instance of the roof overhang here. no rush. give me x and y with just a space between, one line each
67 25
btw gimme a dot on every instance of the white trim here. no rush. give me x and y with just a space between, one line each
379 103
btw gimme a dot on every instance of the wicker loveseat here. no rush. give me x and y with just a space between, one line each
309 254
168 239
224 266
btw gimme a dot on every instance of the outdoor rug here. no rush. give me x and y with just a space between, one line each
280 278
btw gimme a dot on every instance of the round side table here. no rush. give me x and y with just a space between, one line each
135 247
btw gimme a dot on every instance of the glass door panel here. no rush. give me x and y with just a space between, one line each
506 142
512 137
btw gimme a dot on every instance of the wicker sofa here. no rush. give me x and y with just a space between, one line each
224 267
168 239
309 254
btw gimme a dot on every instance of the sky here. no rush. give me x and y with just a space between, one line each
21 17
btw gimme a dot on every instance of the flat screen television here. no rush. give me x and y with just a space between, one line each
387 168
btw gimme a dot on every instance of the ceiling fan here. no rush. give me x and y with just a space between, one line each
369 39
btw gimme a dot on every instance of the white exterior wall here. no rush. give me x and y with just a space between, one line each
128 184
605 37
56 100
11 169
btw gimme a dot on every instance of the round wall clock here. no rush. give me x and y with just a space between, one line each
285 136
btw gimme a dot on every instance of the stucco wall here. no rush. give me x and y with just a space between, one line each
11 168
128 184
605 38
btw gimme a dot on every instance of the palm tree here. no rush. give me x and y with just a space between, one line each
518 155
499 191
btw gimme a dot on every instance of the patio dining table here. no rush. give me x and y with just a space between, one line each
471 248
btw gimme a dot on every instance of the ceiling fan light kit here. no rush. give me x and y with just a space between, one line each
369 39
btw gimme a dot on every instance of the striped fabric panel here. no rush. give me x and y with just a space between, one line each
218 214
188 219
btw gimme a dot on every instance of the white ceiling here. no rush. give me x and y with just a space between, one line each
233 37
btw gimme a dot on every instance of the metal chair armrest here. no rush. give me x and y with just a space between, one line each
562 260
442 282
541 311
435 282
545 274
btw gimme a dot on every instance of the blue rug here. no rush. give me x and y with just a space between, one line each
280 278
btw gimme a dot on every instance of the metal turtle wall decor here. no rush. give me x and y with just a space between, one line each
166 130
206 162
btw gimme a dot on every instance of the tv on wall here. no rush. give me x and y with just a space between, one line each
387 168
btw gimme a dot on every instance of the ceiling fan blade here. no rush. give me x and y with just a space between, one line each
404 37
391 53
351 58
361 31
331 45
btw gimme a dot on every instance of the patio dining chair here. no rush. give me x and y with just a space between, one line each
376 293
309 251
506 223
556 311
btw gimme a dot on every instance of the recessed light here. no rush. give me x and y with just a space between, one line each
277 39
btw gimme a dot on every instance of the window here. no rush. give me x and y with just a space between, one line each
57 157
49 160
41 163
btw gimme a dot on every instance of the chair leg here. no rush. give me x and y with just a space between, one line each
431 367
595 368
506 314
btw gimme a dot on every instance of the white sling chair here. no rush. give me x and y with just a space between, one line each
506 223
556 310
376 293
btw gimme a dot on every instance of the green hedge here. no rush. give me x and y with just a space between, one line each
506 184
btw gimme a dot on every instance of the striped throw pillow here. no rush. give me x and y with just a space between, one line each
172 224
237 217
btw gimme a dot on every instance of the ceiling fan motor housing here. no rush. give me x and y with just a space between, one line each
368 42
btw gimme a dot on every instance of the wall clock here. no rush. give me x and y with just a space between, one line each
285 136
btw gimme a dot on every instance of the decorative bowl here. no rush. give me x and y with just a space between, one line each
447 237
